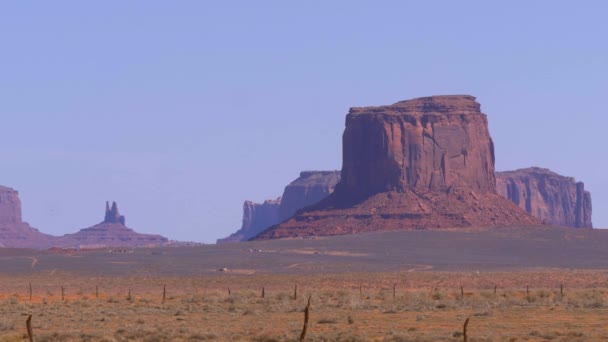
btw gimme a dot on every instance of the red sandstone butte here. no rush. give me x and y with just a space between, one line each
425 163
553 198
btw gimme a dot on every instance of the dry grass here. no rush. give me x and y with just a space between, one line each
426 307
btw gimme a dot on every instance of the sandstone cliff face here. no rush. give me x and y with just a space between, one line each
111 232
427 144
310 188
256 217
553 198
13 231
10 205
419 164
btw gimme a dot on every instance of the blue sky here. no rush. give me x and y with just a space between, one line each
180 111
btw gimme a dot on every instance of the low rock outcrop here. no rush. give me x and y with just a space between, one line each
308 189
111 232
553 198
420 164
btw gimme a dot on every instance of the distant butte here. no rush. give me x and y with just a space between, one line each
425 163
309 188
553 198
111 232
13 231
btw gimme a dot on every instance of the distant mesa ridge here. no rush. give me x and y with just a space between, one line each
425 163
533 189
309 188
111 232
553 198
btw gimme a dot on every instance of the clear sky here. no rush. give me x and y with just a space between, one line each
181 110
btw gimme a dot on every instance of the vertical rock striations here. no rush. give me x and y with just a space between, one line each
553 198
418 164
426 144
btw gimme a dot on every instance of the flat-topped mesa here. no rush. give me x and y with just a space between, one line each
435 143
440 104
553 198
112 215
426 163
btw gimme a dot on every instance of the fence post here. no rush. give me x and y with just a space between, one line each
30 331
306 318
465 330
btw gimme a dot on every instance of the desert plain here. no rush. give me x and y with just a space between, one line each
513 284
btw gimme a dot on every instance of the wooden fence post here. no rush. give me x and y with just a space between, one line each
306 318
30 331
465 329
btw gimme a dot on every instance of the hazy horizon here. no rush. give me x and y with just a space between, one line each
180 112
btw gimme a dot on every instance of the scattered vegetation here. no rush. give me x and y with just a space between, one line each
342 309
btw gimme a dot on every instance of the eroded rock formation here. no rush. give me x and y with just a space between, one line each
256 217
13 231
308 189
553 198
111 232
418 164
426 144
112 214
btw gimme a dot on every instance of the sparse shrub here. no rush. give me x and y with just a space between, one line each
327 321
